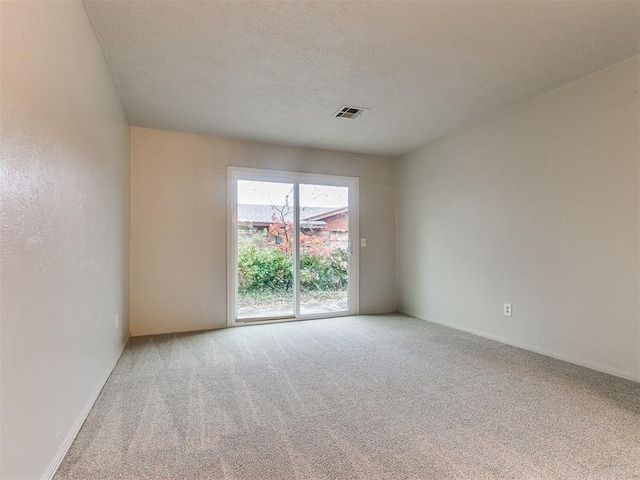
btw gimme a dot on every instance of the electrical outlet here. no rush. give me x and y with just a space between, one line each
117 319
507 309
363 242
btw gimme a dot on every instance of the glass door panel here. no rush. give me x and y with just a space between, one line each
265 250
324 249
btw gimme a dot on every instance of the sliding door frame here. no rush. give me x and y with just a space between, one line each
296 178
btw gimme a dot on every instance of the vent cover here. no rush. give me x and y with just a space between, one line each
348 111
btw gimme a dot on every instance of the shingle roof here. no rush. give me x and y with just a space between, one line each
265 213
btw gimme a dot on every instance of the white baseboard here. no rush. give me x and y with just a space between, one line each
66 444
174 329
565 358
382 312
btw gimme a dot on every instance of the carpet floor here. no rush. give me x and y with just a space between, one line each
367 397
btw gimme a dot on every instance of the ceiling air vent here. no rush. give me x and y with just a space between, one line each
347 111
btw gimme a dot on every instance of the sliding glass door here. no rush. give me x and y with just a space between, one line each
324 248
291 254
264 256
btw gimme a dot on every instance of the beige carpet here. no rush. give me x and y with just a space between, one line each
370 397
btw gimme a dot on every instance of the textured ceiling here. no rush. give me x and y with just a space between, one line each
276 71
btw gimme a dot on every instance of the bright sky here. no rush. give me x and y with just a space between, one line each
270 193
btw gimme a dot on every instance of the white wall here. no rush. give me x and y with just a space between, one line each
64 187
538 207
178 224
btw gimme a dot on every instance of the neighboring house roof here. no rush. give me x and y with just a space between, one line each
321 213
263 215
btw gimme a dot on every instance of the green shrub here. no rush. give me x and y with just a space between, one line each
269 270
263 270
320 272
